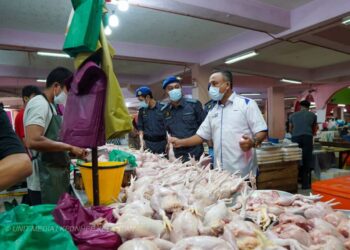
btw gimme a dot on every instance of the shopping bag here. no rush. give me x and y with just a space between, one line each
33 228
83 32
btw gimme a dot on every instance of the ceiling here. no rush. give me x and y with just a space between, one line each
297 39
137 25
301 55
35 15
140 25
286 4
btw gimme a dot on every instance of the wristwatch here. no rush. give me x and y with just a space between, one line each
256 142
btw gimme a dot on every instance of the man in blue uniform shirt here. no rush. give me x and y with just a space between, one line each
182 116
150 121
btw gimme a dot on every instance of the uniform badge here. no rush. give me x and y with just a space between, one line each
139 93
167 113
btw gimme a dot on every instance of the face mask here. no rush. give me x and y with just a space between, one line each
143 104
214 93
61 98
175 95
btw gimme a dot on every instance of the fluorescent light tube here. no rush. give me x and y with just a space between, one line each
43 53
257 100
290 81
7 106
41 80
341 105
241 57
290 98
346 20
250 94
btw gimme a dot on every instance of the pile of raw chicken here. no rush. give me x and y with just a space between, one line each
171 205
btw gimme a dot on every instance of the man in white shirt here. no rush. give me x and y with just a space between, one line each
49 156
235 125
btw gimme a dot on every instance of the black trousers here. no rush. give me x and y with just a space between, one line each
305 143
34 197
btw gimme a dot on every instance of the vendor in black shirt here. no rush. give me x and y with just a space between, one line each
15 164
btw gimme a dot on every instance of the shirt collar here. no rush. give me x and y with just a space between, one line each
181 103
230 99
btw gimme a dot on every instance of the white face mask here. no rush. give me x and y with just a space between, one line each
61 98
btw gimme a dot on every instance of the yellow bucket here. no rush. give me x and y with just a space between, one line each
110 178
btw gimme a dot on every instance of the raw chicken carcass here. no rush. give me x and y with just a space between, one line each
322 228
202 243
215 218
130 226
335 218
328 242
138 207
138 244
318 210
298 220
184 224
344 228
292 231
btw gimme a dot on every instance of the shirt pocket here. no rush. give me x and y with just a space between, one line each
189 118
159 116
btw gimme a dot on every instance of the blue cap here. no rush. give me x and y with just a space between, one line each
170 79
143 91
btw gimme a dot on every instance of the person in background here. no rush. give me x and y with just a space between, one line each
235 125
150 121
302 125
15 164
134 138
50 160
28 92
182 117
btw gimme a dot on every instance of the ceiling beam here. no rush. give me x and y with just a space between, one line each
34 41
261 68
304 19
325 43
251 15
338 70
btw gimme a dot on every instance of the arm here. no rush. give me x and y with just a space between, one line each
246 143
15 164
257 125
200 113
314 126
36 140
187 142
13 169
140 125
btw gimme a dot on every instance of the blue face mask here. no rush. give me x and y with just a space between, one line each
143 104
175 95
214 93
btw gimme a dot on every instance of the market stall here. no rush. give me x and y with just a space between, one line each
278 167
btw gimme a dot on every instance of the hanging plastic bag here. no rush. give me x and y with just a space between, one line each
33 228
83 32
121 156
71 215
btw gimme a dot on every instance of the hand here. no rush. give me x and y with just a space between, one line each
246 143
79 152
175 141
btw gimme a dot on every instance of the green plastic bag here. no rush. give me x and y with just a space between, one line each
33 228
83 33
118 155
